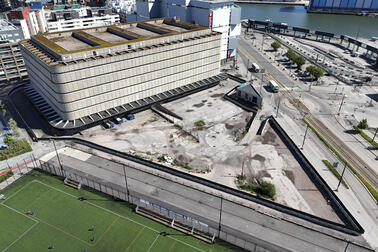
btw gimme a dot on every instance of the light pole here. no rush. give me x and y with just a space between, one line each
57 156
304 137
375 134
341 104
341 178
278 106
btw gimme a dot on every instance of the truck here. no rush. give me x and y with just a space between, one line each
273 86
255 68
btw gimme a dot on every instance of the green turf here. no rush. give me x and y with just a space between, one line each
64 221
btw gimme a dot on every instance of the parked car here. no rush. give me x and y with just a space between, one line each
118 120
108 125
130 116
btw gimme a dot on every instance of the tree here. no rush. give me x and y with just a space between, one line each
299 61
13 125
315 72
363 124
8 140
290 54
275 45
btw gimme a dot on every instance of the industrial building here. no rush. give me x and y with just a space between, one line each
219 15
343 6
83 76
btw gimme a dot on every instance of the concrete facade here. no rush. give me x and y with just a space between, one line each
81 79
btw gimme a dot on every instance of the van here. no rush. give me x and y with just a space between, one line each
255 68
273 86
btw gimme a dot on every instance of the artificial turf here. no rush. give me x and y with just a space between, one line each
65 222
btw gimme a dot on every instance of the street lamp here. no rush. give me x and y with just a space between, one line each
341 104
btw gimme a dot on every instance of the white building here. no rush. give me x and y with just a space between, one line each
219 15
63 20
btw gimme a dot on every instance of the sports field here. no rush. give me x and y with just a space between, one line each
98 223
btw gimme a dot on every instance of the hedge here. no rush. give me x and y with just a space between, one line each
6 176
366 137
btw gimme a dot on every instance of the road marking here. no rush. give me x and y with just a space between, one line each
17 191
248 55
38 198
152 244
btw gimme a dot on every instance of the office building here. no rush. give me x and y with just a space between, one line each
343 6
85 75
69 19
219 15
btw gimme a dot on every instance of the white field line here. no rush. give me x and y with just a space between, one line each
152 244
18 191
121 216
24 233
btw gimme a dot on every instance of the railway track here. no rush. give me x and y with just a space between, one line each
357 163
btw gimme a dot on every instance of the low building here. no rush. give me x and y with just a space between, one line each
63 20
219 15
250 94
343 6
85 75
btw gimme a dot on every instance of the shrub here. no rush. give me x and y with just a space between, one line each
8 140
266 189
248 187
6 176
363 124
18 147
200 124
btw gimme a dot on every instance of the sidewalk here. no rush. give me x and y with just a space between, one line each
19 172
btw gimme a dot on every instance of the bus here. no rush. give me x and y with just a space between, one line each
273 86
255 68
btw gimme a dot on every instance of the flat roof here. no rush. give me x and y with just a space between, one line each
87 39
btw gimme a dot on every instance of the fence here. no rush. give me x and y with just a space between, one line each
190 205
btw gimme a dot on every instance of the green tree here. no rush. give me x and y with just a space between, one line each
363 124
13 125
299 61
8 140
275 45
315 72
290 54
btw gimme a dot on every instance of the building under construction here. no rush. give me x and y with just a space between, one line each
84 76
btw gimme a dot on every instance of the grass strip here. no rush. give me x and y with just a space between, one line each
363 180
335 172
366 137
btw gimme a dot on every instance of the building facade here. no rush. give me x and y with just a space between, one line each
219 15
343 6
84 72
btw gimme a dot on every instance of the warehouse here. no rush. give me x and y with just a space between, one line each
86 75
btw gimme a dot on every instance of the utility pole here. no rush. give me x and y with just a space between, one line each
57 156
341 104
220 216
375 134
304 137
278 106
341 178
127 188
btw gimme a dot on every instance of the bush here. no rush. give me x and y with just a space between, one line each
266 189
18 147
366 137
6 176
200 124
8 140
363 124
186 166
248 187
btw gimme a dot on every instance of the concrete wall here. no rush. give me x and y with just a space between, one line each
77 90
